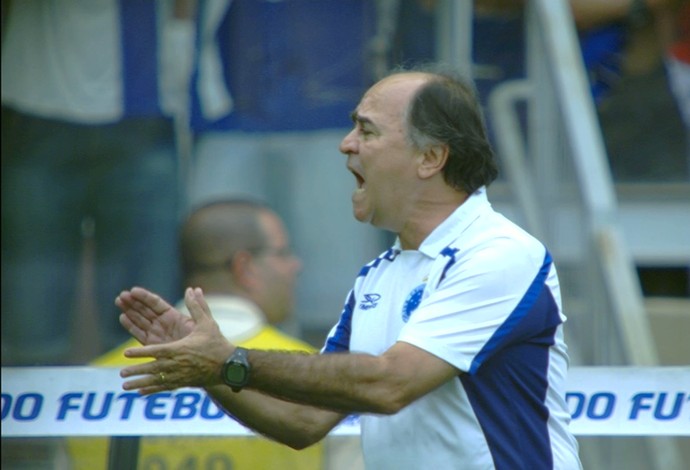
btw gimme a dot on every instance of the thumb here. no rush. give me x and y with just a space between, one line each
196 304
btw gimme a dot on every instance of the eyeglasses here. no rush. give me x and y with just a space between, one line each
283 252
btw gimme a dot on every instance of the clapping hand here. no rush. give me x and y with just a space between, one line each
150 319
186 352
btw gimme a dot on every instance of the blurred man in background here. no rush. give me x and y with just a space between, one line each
239 251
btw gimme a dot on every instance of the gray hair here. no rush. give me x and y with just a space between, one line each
446 111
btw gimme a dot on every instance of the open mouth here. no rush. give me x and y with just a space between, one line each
358 178
360 181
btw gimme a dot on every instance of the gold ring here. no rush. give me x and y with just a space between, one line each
161 375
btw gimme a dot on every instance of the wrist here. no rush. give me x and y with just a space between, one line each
236 369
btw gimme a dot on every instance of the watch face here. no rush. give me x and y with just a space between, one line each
235 373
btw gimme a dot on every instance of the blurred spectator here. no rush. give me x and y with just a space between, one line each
274 88
633 54
86 150
238 252
675 26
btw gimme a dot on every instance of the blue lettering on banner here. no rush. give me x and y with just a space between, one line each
94 406
600 406
6 404
580 400
66 404
26 408
184 410
153 402
105 407
207 408
129 399
663 406
643 401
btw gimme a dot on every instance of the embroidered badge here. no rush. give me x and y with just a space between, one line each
412 302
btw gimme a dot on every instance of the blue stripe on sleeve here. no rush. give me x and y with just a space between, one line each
340 340
389 255
537 307
508 380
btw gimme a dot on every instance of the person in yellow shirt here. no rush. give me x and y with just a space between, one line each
238 251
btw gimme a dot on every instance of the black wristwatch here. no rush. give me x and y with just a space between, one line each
235 372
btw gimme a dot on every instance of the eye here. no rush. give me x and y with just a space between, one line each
363 131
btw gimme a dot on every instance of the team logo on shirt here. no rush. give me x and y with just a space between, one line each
412 302
370 301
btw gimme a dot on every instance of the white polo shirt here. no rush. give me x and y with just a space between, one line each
483 295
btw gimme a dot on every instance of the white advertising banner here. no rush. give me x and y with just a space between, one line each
89 401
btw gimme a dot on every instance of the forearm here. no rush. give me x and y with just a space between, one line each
345 383
294 425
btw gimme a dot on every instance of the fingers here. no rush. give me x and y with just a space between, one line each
196 303
152 377
138 333
168 335
138 317
143 301
149 377
148 384
150 300
152 390
141 311
138 312
156 351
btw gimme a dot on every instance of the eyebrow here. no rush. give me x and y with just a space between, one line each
359 119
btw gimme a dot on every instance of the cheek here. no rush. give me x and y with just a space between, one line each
284 274
393 178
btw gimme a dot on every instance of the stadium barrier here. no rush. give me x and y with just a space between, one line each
89 401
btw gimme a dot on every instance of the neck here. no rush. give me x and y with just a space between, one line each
213 284
426 216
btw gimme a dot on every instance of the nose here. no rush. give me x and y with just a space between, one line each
349 143
297 264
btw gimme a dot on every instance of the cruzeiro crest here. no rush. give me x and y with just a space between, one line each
412 302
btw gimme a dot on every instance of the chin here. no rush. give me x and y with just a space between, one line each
362 216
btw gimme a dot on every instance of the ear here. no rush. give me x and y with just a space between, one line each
242 268
432 161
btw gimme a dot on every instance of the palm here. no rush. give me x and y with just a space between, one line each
185 350
169 326
150 319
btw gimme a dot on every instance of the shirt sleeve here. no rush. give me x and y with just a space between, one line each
484 301
338 339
